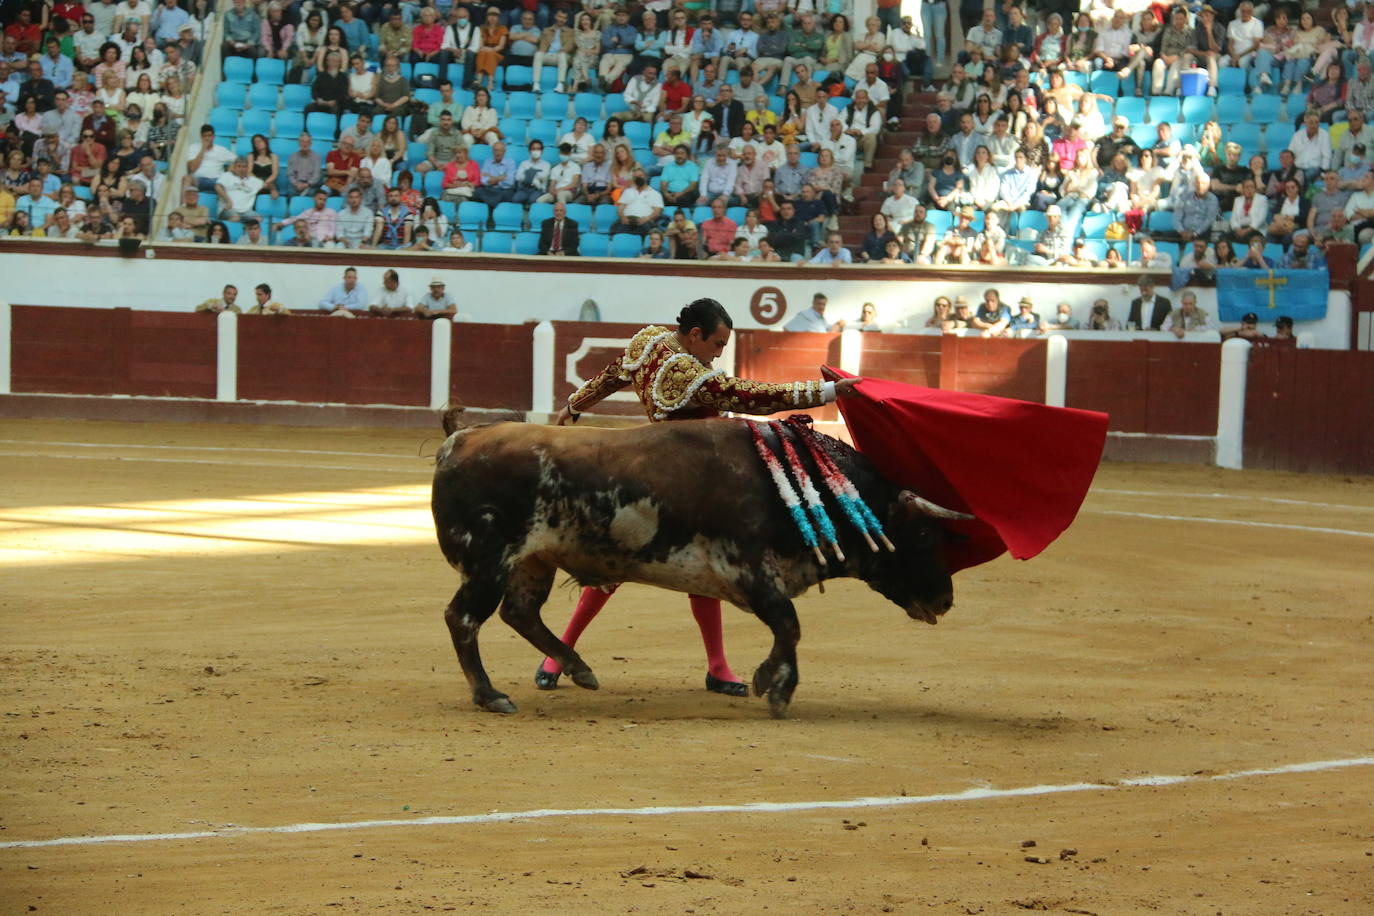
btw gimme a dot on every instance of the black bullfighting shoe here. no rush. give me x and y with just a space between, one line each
729 688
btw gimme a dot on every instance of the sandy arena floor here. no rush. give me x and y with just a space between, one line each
204 628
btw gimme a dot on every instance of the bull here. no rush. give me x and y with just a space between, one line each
686 506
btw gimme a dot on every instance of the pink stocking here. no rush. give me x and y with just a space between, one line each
588 606
707 613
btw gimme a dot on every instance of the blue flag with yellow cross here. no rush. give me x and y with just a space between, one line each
1299 294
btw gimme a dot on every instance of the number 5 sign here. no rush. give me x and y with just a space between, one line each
768 305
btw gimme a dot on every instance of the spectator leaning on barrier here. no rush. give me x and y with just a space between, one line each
265 305
1188 317
813 319
1148 302
392 300
340 300
226 302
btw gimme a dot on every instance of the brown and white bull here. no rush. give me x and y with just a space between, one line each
686 506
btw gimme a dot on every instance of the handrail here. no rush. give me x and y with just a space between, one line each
197 113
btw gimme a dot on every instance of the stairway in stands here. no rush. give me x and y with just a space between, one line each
868 197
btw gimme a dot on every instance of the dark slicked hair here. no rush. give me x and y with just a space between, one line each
707 314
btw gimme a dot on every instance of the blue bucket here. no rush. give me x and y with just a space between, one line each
1193 82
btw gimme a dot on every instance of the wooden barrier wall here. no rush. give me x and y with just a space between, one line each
491 365
771 356
1310 410
112 351
1147 386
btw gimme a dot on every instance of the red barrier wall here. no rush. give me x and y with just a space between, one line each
334 360
492 365
112 351
909 358
1005 368
771 356
1162 388
611 340
1310 410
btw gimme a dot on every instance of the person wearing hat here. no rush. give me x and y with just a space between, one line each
1283 328
1117 141
437 303
959 241
1055 241
1025 318
1249 329
1209 44
1149 302
962 319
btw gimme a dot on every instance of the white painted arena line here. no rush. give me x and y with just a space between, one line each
224 463
204 448
1238 496
497 817
1231 521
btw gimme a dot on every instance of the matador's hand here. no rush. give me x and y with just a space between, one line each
847 387
565 416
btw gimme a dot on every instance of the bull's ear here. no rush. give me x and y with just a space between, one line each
917 505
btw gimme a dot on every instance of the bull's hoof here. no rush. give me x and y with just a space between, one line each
585 679
499 703
777 707
544 680
729 688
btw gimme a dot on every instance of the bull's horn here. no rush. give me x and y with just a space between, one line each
926 507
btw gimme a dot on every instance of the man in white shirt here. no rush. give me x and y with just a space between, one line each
1243 36
834 252
718 175
151 179
87 41
877 90
841 145
818 118
899 208
1250 213
238 192
639 206
564 178
1360 132
643 96
1311 147
985 35
1113 46
206 161
104 14
813 319
392 299
1359 209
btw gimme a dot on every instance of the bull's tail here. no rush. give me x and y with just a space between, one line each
455 416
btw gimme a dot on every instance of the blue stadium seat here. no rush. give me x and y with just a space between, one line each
1186 133
519 79
508 217
295 97
321 125
554 105
587 105
776 103
1095 249
1161 221
225 121
1277 136
426 69
298 205
1163 108
263 96
517 152
543 130
646 158
479 153
348 119
1271 158
1264 109
1145 135
582 215
515 131
230 94
1031 221
539 213
283 147
638 133
83 192
548 80
841 102
527 242
243 145
274 208
428 96
238 69
472 215
498 243
1232 109
615 101
1274 252
1075 78
736 214
626 245
288 124
449 209
1230 81
594 245
1094 225
270 70
1131 108
407 69
256 121
701 214
210 201
1105 82
433 183
1196 109
603 217
415 152
809 160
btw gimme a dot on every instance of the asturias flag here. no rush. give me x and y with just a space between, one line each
1299 294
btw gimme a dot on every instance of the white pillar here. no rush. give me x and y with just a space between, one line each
1056 370
542 401
1235 364
440 362
227 356
4 348
851 350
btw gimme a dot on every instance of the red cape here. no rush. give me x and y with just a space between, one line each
1022 469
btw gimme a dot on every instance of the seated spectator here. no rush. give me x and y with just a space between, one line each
1302 254
1063 319
643 96
427 39
300 235
1157 307
789 233
1196 212
1054 241
962 319
1151 258
1288 213
1025 318
556 45
993 317
899 208
639 207
394 94
1250 214
176 230
346 296
813 319
392 300
394 223
718 176
498 177
462 176
265 305
718 232
893 254
355 223
194 217
1248 330
960 240
252 234
1188 317
879 234
918 237
738 251
436 303
945 186
458 244
868 319
834 252
238 192
480 121
680 178
941 312
225 303
1100 318
205 161
329 92
565 178
1283 328
1311 146
242 31
342 166
559 235
596 177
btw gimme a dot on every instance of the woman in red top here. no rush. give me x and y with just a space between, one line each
427 41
